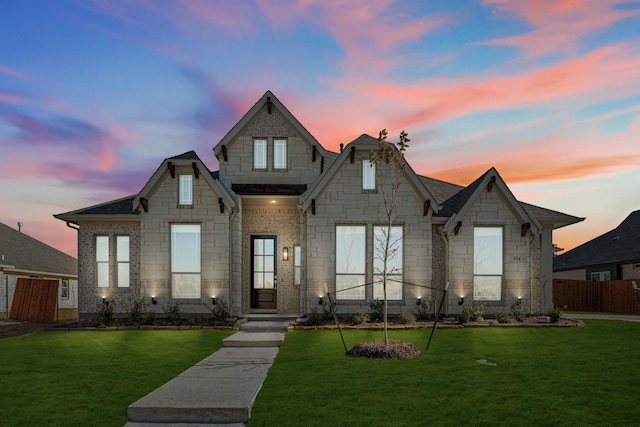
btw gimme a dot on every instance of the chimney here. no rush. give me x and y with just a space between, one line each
19 227
341 147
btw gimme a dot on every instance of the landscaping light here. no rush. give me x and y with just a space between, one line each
104 299
214 301
460 300
154 301
320 301
419 301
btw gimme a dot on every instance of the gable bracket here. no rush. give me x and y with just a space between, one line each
224 152
524 228
145 204
196 171
352 155
456 230
490 184
322 164
268 105
313 206
172 169
313 153
425 207
221 204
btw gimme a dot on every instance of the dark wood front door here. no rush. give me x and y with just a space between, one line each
264 278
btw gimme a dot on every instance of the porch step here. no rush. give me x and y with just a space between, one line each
264 326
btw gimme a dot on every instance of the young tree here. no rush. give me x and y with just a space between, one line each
388 159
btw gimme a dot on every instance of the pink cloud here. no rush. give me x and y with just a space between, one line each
12 72
558 25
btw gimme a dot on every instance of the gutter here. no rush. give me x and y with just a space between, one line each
446 263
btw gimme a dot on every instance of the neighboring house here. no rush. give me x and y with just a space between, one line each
614 255
283 217
24 256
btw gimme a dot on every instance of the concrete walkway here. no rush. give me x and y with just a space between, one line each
219 390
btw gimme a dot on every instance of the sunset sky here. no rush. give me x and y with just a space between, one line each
95 94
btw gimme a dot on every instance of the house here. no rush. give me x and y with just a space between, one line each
283 219
615 255
24 256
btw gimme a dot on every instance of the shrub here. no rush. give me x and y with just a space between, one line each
104 314
376 310
361 318
220 310
465 314
424 310
137 310
477 310
314 317
517 310
406 318
555 313
172 312
503 317
149 317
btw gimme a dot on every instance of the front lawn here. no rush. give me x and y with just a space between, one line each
472 376
89 378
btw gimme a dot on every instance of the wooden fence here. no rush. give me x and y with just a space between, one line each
615 296
35 300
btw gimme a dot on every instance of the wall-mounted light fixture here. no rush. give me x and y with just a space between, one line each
419 301
214 301
460 300
285 253
154 301
320 301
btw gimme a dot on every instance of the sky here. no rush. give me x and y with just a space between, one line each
95 94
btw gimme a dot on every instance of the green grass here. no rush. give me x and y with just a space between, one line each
543 377
89 378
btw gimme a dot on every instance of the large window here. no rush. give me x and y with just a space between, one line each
350 262
279 154
487 263
394 262
185 261
122 260
259 153
601 275
186 190
297 265
102 261
368 175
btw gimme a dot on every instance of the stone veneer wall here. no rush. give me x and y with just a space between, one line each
155 243
344 202
521 258
89 295
238 169
284 223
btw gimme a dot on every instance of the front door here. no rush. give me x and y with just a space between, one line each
264 277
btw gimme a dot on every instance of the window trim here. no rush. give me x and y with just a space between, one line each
174 273
361 271
102 262
481 276
297 265
368 176
64 286
263 156
183 200
280 167
122 262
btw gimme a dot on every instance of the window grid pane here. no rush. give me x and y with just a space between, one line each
280 154
350 262
102 261
297 265
368 175
186 190
260 154
185 261
487 263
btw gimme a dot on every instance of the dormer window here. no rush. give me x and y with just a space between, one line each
279 154
185 190
259 154
368 176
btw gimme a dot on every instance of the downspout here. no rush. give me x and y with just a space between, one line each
57 305
531 275
446 262
232 214
6 296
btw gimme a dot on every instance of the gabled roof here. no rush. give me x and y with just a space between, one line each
120 208
190 158
457 205
273 102
363 142
620 245
26 254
